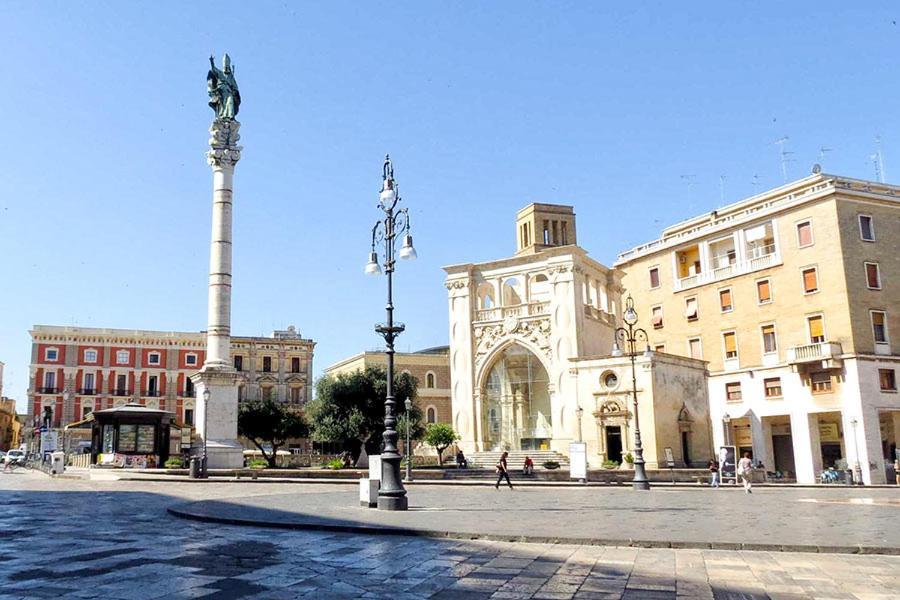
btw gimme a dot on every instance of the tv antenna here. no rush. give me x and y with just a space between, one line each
755 183
878 160
722 179
784 156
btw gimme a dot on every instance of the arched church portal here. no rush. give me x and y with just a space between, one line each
516 411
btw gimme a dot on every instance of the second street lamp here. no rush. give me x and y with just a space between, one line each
630 335
408 443
391 495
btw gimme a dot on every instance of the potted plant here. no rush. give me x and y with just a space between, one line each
627 461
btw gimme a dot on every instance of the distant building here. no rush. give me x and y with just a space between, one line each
793 298
9 424
431 367
77 370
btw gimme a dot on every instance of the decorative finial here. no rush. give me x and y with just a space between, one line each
388 173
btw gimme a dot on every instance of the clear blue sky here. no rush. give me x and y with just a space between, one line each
105 193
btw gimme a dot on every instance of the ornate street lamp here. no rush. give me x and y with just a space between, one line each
726 419
408 477
391 495
630 335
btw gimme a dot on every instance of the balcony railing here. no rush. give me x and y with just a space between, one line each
519 310
121 392
821 351
188 393
87 391
152 393
763 258
48 390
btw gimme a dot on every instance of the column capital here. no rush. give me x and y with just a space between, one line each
223 149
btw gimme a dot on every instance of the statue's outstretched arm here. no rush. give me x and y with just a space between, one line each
212 61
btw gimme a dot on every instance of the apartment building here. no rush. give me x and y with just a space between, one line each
77 370
792 296
430 367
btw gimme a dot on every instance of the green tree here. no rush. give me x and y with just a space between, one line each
440 436
268 422
349 409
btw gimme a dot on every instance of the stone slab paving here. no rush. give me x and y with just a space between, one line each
115 540
821 520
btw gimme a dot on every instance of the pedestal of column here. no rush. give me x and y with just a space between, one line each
217 419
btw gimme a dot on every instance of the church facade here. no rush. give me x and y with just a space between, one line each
531 339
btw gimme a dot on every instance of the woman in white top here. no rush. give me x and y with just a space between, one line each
745 468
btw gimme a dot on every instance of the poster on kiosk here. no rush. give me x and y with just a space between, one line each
727 463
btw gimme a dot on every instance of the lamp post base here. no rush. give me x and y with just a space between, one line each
640 481
393 503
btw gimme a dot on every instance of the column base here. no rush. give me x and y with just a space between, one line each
224 454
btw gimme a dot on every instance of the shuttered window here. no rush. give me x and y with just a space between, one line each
725 300
879 328
730 341
873 276
763 292
690 309
810 281
816 329
804 234
770 342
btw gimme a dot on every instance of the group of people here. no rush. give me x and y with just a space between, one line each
743 470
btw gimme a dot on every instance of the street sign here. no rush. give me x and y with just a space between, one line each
578 461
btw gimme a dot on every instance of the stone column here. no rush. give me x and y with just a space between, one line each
217 423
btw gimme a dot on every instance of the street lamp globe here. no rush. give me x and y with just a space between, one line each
206 394
372 267
616 351
407 252
630 315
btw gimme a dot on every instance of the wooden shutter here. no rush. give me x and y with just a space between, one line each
816 328
810 280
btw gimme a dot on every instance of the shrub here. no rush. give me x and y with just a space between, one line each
628 458
175 462
551 464
334 464
610 464
257 463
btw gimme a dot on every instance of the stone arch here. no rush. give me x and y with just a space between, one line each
485 294
516 398
512 292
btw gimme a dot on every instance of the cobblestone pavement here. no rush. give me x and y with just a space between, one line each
114 540
837 519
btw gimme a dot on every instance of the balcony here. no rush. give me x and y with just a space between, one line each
826 354
598 313
761 258
152 394
519 310
121 392
48 390
188 394
87 391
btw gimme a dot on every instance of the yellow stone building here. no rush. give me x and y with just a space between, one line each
792 297
9 424
431 367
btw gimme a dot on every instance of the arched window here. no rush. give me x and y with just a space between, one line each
539 288
485 296
431 415
512 295
430 380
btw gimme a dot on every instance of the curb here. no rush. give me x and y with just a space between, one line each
532 539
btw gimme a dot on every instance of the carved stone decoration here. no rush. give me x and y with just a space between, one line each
536 333
223 148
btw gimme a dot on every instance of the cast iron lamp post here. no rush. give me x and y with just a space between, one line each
726 419
857 467
630 335
203 473
408 444
391 495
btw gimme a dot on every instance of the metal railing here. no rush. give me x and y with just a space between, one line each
87 391
152 393
48 390
121 392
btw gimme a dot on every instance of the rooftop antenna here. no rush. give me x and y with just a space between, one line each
877 160
784 156
822 152
722 179
755 183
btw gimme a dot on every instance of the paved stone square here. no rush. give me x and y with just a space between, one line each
79 539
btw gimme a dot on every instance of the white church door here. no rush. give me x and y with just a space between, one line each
517 411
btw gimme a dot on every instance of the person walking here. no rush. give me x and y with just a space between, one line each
897 470
502 472
745 469
713 473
